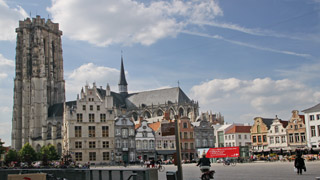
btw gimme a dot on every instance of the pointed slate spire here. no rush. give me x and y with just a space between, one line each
123 80
123 85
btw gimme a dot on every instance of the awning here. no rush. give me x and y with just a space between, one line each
166 152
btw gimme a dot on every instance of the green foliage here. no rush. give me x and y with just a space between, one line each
2 149
27 154
11 156
49 153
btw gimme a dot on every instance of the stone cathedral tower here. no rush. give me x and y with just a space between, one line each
39 81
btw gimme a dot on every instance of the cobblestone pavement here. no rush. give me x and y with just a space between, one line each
249 171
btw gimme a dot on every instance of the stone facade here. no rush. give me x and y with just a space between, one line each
38 84
165 144
89 127
296 131
125 145
203 134
259 132
188 151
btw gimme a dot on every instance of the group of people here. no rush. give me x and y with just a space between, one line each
298 163
151 163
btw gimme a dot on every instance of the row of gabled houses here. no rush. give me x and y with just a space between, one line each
300 132
123 140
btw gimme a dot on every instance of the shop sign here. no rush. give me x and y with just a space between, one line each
223 152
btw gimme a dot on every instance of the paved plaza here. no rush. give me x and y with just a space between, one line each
250 171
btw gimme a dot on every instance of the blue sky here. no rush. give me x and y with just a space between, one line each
242 58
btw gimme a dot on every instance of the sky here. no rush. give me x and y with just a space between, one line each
242 58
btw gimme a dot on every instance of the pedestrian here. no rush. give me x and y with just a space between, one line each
299 164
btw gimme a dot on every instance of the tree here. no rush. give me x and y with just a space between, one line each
11 156
27 154
48 153
2 149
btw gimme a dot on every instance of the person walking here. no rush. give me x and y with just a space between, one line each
299 164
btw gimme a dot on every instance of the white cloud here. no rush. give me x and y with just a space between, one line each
9 19
6 67
237 98
127 21
305 72
87 74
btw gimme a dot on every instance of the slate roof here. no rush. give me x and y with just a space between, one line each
122 80
56 110
267 121
315 108
147 98
156 97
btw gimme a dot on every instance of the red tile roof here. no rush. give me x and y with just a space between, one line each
284 123
239 129
155 126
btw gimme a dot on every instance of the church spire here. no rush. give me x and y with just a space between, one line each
123 85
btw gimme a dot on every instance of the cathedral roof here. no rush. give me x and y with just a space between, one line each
155 97
56 110
147 98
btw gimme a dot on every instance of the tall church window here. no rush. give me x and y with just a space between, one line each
159 112
59 149
171 112
49 131
147 115
58 130
181 112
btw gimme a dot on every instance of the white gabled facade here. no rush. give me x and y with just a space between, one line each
238 135
312 118
277 135
145 141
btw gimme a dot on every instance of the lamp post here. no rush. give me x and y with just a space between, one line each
178 148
